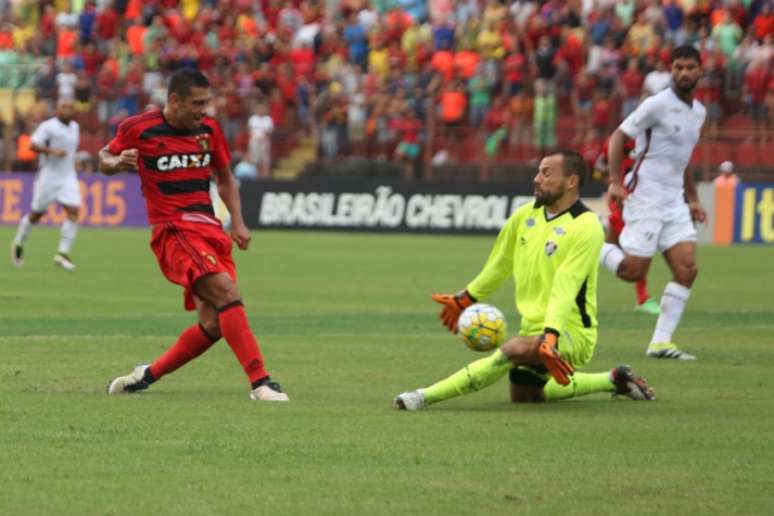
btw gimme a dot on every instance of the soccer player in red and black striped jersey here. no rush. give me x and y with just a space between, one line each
176 150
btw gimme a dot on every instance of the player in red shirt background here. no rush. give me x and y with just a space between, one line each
176 150
616 224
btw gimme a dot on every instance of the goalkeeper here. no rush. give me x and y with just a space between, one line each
551 247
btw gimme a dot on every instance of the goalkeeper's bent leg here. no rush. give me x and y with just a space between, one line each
581 384
473 377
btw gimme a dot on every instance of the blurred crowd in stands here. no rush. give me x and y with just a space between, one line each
384 77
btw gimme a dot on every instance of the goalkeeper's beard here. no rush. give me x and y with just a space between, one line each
547 198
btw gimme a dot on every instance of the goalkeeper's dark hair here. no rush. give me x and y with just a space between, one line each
573 164
184 79
686 52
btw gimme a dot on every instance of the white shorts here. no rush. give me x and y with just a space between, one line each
67 193
648 230
259 151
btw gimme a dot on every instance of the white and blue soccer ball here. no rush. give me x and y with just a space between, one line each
482 327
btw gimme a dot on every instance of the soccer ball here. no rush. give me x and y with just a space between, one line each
482 327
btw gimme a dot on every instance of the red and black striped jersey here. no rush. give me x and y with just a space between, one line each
174 164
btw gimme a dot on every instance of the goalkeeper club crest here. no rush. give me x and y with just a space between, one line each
551 247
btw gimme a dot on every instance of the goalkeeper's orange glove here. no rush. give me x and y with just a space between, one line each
549 355
453 305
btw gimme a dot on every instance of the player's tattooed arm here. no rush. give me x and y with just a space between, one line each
110 163
229 193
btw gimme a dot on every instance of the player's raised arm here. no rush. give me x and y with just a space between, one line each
110 163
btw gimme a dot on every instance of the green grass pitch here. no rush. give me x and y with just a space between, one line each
346 322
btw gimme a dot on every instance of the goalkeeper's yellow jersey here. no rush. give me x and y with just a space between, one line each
554 263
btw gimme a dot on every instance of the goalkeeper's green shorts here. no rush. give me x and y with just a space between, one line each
576 345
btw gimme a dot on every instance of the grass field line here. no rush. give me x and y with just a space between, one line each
75 295
260 334
144 317
692 327
264 304
83 336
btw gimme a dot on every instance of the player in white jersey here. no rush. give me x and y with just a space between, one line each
661 204
56 140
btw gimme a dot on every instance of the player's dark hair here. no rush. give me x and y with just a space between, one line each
573 164
184 79
686 52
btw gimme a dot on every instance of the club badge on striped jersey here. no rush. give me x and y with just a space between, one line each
204 141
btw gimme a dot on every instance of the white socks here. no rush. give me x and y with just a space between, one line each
672 305
23 231
611 257
69 230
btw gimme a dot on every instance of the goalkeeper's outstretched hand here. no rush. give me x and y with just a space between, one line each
453 305
556 365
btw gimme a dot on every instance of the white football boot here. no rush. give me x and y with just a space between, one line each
269 391
64 262
668 350
133 382
411 400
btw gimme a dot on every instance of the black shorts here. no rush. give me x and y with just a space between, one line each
536 376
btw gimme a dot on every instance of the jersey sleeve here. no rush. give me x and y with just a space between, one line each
641 119
572 274
221 157
121 141
40 135
499 265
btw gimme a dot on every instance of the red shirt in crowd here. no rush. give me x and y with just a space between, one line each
764 25
572 53
303 61
107 24
514 68
601 113
409 128
757 81
632 82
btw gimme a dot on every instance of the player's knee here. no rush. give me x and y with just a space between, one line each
686 274
211 326
631 271
218 289
519 350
